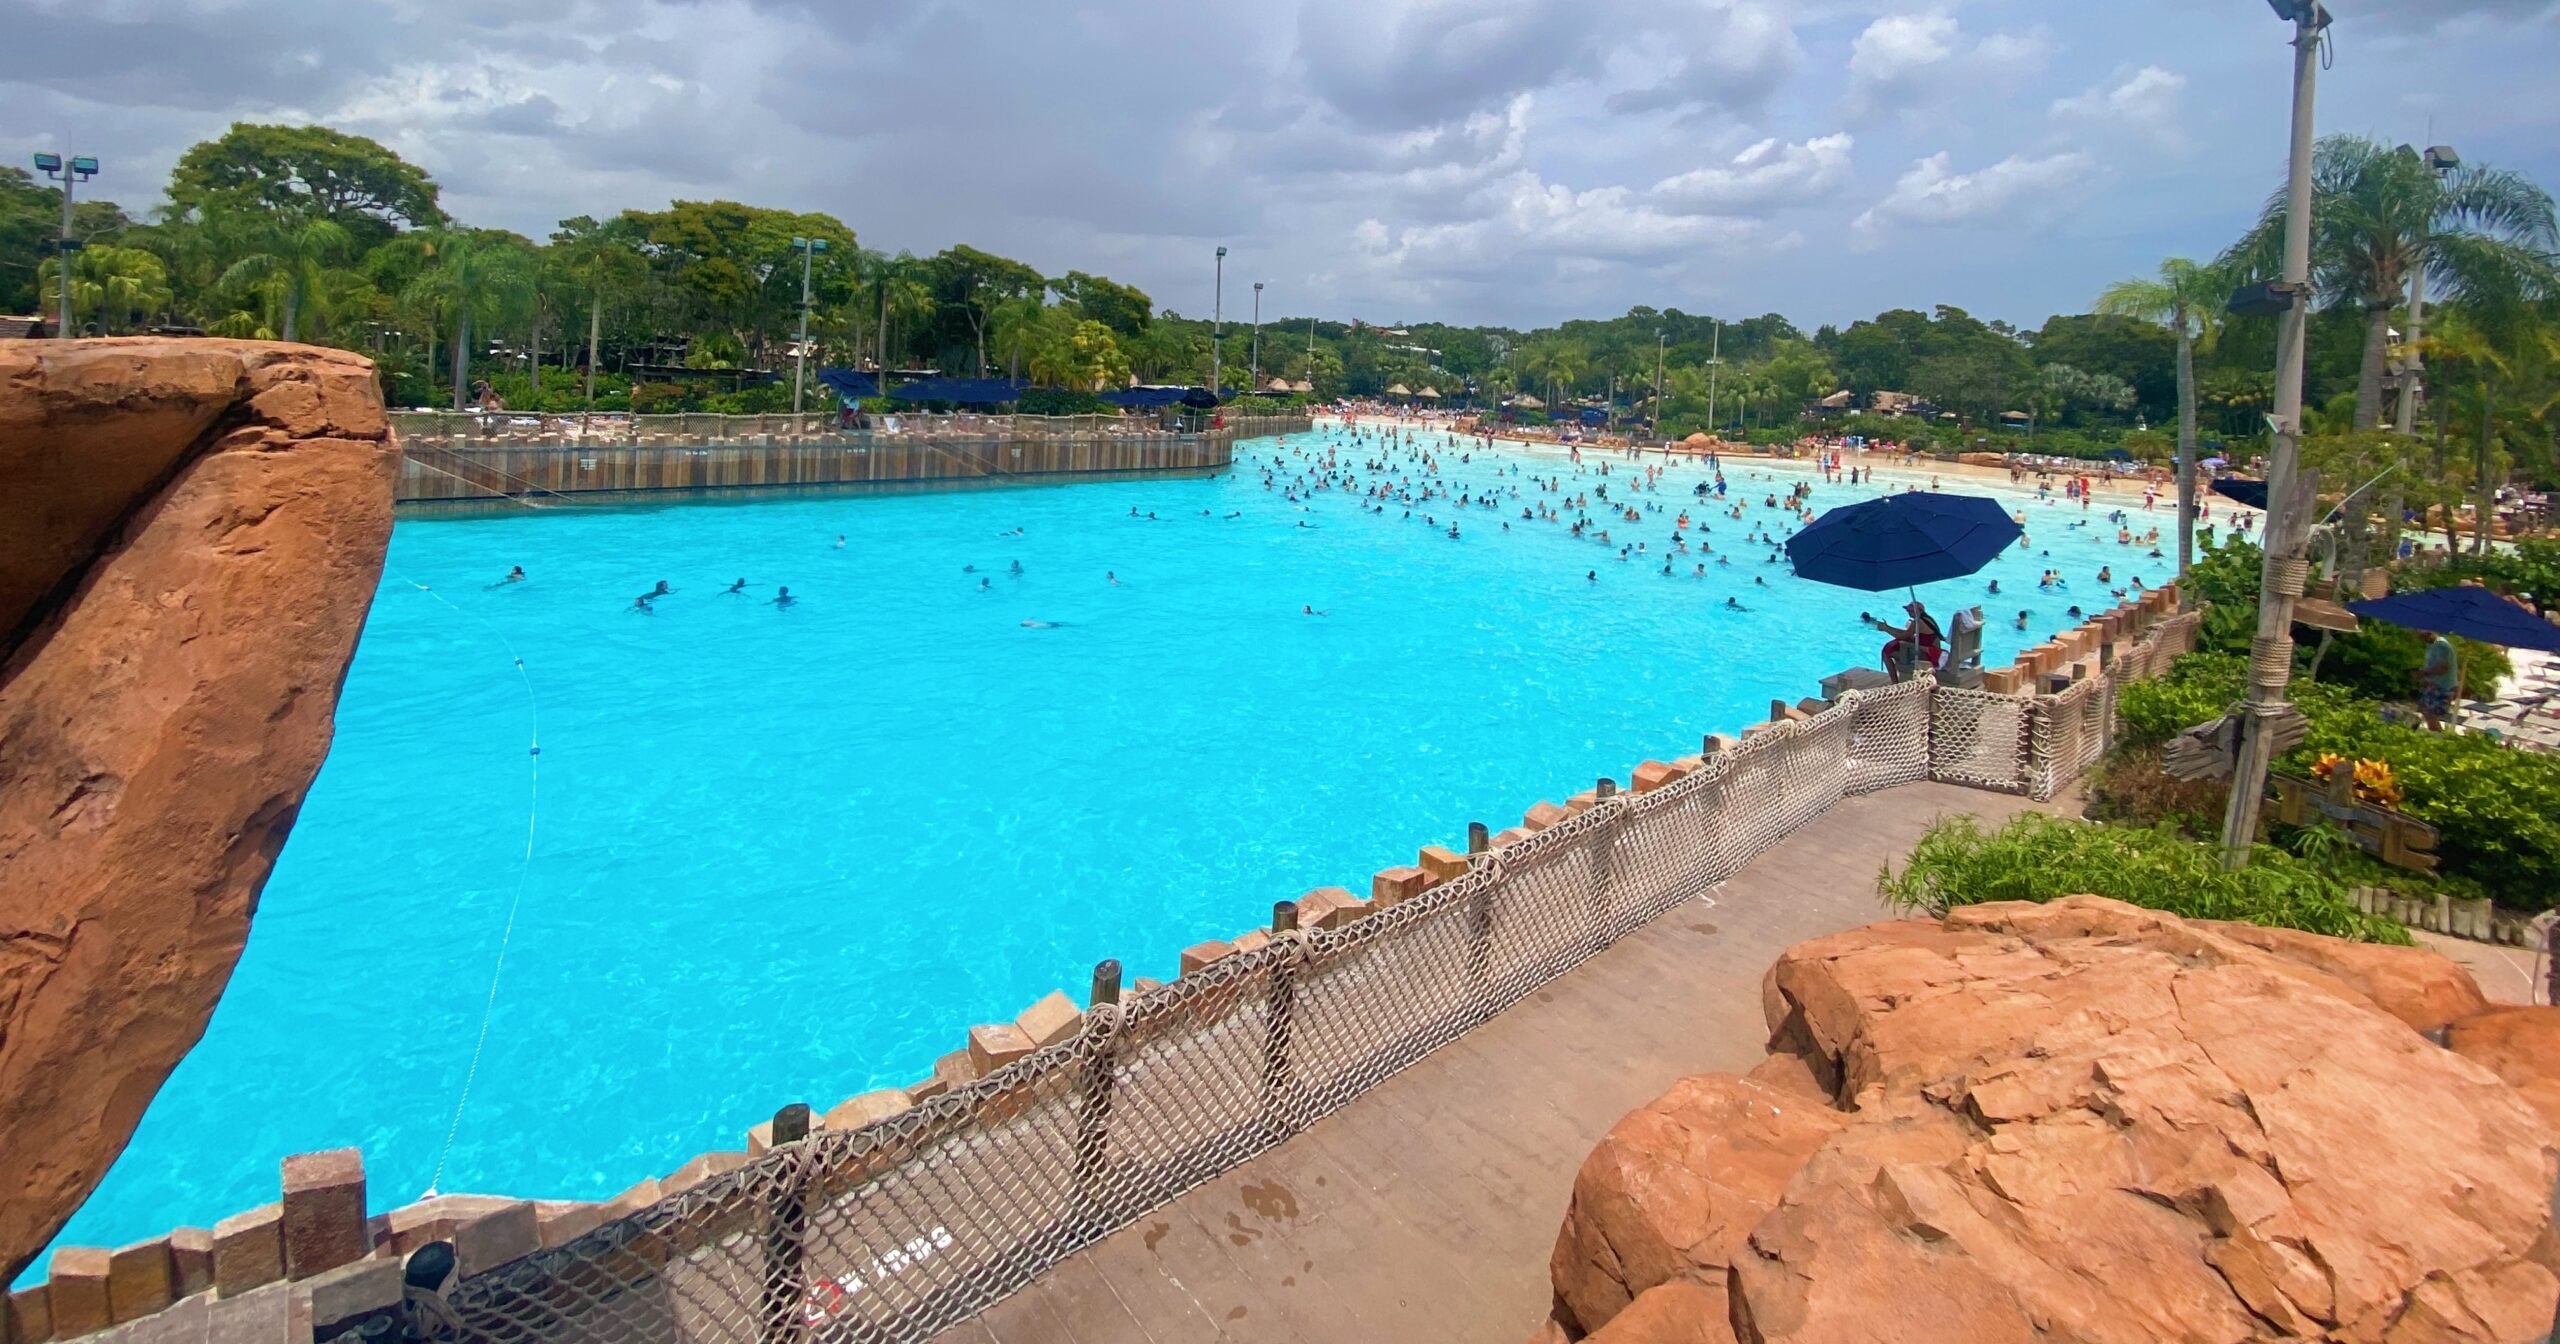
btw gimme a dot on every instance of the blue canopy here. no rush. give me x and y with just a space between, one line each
2117 455
1152 398
967 391
1594 415
850 384
2242 490
2473 613
1903 540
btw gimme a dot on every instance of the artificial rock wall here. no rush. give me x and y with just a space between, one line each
190 536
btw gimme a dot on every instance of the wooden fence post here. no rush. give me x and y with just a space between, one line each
1604 846
786 1232
1094 1089
1479 839
1280 1006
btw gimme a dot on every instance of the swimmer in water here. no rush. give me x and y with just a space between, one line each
1311 611
641 605
986 585
2022 620
515 575
1112 577
839 541
1592 575
662 590
1017 566
1734 604
1042 625
738 589
784 599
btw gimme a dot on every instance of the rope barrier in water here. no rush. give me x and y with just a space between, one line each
506 934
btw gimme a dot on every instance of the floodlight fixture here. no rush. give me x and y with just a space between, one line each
2267 298
2442 158
2311 12
85 166
48 164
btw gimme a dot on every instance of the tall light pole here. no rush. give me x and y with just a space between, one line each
809 249
1255 379
1218 326
2442 160
1661 344
80 168
2288 522
1715 366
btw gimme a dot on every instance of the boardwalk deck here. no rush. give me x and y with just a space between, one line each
1424 1210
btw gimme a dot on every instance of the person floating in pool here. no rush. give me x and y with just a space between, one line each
1043 625
1017 568
839 541
1309 610
640 606
738 589
985 584
1112 577
1995 587
1734 604
783 598
515 575
2022 619
1592 575
662 590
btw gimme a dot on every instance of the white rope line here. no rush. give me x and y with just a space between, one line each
506 935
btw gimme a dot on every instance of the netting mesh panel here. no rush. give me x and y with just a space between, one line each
1888 735
907 1226
1385 991
1539 924
1673 843
1187 1098
1979 739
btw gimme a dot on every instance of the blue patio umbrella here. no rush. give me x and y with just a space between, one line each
1901 541
2117 455
2242 490
2473 613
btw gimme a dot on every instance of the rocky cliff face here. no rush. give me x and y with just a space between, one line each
2083 1121
190 535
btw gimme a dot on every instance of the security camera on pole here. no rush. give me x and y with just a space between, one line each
2289 488
79 168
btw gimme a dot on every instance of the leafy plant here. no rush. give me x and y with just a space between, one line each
2041 858
2496 809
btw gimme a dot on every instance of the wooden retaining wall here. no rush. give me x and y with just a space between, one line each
441 464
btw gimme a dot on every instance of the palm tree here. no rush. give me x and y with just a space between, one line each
2380 215
115 286
2187 299
469 277
600 261
1017 324
2464 344
288 255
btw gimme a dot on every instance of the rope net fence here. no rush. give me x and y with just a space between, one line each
908 1225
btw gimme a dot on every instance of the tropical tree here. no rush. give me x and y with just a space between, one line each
600 262
471 276
285 255
114 287
2187 299
2381 215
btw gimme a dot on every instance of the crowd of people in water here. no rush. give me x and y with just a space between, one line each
1635 509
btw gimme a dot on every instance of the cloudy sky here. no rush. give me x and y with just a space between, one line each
1509 161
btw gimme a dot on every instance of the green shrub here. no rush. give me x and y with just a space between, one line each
2132 790
2200 687
2041 858
1058 401
2496 809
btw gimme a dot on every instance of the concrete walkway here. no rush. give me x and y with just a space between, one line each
1425 1209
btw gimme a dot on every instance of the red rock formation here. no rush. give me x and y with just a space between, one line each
2521 1045
191 537
2078 1120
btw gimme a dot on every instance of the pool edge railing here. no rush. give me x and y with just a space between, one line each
466 458
903 1211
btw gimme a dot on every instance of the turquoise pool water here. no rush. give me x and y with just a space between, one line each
791 854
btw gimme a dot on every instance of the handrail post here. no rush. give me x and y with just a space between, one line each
1280 1007
1604 846
1094 1091
787 1231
